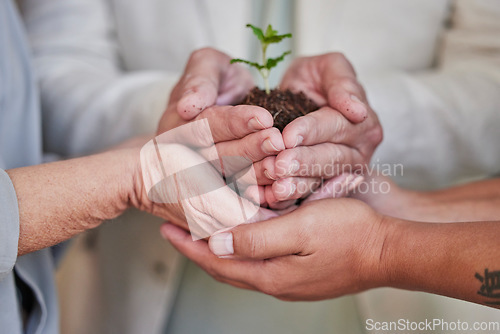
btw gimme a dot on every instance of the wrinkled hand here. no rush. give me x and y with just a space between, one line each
197 154
323 249
179 184
338 138
208 84
208 79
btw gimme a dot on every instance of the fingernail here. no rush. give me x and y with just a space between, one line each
266 173
298 141
268 147
293 187
294 166
221 244
355 99
255 124
354 183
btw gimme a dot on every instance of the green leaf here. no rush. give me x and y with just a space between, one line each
270 37
257 32
276 38
270 32
272 62
251 63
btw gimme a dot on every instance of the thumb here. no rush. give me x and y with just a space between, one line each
264 240
200 83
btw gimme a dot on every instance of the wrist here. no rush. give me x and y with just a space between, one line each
404 258
385 247
121 167
131 193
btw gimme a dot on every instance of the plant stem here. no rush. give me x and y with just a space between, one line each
265 75
265 72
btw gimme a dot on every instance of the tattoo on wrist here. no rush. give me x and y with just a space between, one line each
490 287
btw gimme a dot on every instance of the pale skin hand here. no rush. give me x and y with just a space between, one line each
208 80
330 248
344 132
62 199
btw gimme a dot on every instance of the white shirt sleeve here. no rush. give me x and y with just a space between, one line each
9 225
88 101
442 125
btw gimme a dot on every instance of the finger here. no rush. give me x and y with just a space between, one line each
258 174
329 78
294 187
235 85
346 95
222 208
323 160
235 122
254 147
264 170
342 88
199 86
277 237
216 124
303 76
323 125
275 203
337 187
209 203
256 194
199 253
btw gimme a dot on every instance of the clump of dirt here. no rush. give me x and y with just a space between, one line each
284 105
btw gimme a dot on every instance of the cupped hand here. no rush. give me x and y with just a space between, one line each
209 83
338 138
323 249
179 184
208 79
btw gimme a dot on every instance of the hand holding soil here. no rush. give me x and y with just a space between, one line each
319 144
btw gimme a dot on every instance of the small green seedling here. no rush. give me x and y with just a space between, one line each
269 37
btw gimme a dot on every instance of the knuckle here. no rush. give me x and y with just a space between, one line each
256 243
339 156
248 150
336 56
200 53
272 132
340 126
348 84
234 128
376 135
253 241
301 125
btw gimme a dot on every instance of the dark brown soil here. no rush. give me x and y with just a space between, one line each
285 106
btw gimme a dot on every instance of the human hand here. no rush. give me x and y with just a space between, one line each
208 79
323 249
202 196
184 170
338 138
